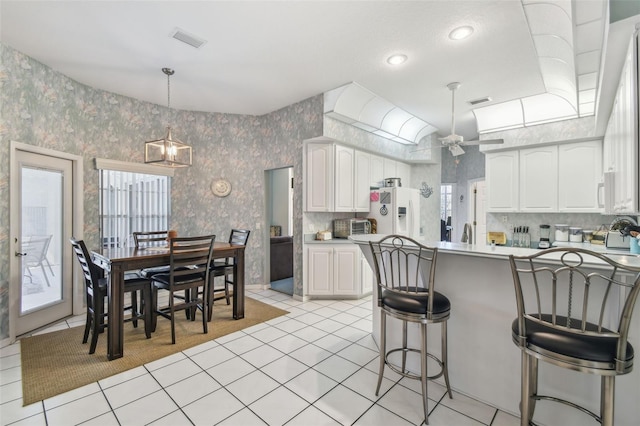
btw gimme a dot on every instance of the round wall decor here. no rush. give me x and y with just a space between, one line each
221 187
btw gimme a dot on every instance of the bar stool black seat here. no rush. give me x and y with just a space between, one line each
405 273
574 311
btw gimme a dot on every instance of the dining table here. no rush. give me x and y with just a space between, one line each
118 260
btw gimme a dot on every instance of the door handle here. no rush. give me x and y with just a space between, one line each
18 254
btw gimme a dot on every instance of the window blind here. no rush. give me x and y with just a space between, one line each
132 202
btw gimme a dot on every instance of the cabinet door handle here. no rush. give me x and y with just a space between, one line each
18 254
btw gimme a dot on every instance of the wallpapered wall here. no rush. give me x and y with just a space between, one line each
42 107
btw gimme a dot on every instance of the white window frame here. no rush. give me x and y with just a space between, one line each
128 202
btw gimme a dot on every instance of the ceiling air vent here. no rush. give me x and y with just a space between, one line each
480 101
187 38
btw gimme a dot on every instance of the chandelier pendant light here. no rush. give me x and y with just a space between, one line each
168 151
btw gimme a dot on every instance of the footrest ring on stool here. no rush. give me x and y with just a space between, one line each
407 374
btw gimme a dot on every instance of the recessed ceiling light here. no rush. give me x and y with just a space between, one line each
461 33
396 59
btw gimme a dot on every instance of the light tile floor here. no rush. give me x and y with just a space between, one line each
315 366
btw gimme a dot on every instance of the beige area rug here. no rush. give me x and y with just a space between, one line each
58 362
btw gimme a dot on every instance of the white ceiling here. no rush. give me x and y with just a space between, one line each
261 56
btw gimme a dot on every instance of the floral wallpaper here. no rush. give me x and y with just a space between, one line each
42 107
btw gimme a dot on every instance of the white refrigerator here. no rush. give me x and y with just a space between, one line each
396 211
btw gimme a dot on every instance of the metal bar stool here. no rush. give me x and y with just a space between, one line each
574 311
405 271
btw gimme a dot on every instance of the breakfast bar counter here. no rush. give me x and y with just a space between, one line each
484 363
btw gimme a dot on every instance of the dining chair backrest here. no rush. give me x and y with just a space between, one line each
238 237
150 238
92 273
190 256
403 265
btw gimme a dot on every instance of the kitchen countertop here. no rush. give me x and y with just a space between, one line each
503 252
311 239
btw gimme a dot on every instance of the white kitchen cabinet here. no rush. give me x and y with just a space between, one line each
403 171
551 178
390 170
320 270
377 171
579 172
621 141
502 181
334 270
538 179
337 178
346 270
351 180
319 180
382 168
362 173
344 178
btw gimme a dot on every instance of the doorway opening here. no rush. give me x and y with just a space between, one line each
280 220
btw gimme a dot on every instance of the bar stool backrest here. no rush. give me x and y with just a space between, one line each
576 291
403 265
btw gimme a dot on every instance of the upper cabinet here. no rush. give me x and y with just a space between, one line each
338 178
403 171
362 176
621 140
351 184
377 170
579 173
319 177
502 181
552 178
539 179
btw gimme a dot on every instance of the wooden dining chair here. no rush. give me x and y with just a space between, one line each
96 293
148 239
224 268
189 270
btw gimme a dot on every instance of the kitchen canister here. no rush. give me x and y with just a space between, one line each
587 235
562 232
575 234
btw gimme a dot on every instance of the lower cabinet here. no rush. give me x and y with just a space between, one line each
337 270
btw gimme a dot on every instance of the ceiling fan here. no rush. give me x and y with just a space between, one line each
454 142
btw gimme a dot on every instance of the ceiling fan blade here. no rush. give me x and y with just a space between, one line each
483 142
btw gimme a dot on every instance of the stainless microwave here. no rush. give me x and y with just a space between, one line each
342 228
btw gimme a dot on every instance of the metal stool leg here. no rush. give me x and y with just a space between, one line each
525 388
383 347
424 373
445 361
533 385
607 393
404 346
